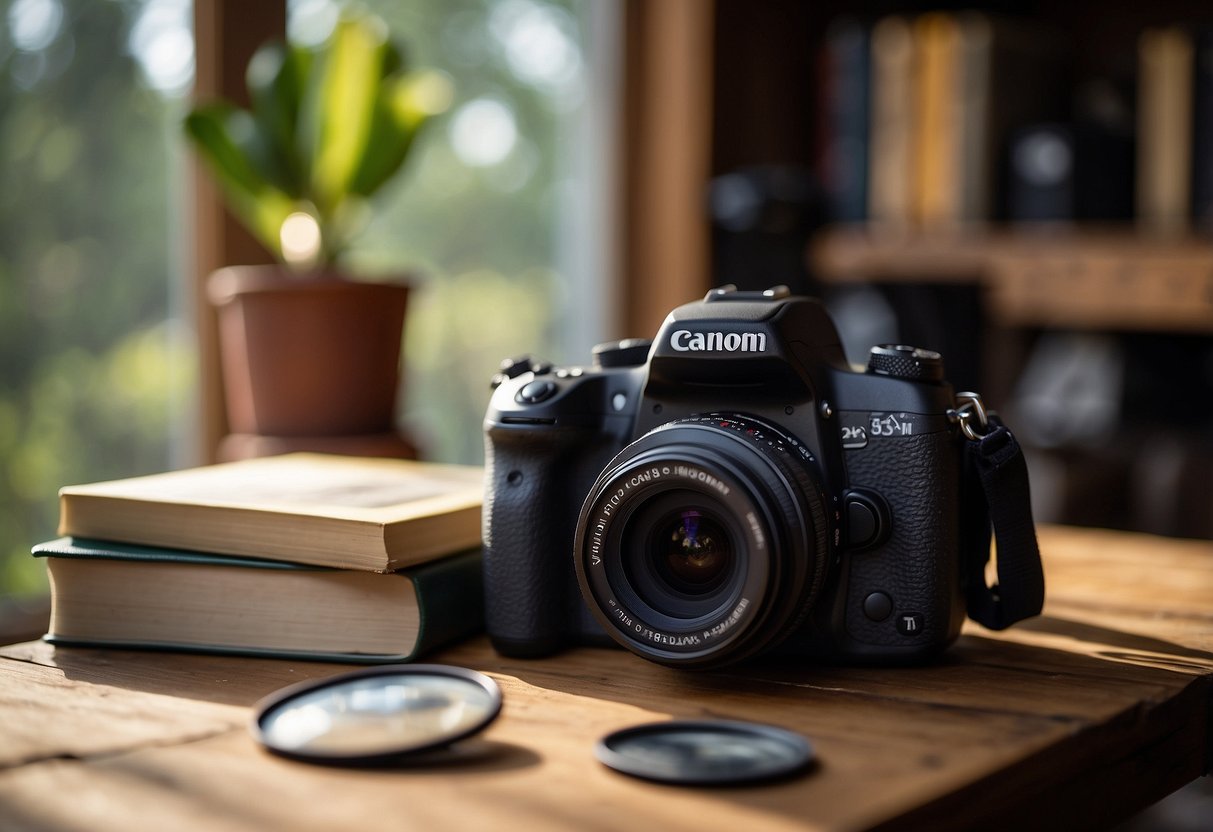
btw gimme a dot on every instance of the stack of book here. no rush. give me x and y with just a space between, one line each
303 555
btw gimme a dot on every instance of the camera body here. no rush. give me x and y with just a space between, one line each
732 488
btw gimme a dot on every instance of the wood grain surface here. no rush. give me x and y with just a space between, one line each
1072 720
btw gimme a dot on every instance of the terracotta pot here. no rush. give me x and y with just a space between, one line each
315 356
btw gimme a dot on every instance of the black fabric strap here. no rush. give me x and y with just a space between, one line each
996 493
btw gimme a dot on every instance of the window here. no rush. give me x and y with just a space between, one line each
96 366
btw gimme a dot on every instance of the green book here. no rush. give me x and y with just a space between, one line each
122 595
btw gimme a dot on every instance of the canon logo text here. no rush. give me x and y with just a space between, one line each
686 341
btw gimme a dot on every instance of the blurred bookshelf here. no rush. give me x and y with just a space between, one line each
1027 187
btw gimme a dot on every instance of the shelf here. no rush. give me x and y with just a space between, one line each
1108 278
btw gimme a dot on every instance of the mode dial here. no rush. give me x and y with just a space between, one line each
901 361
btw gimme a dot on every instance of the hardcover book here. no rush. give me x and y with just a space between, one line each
935 140
843 166
891 122
344 512
1202 129
1164 129
117 595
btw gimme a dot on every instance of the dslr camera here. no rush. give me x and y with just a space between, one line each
731 488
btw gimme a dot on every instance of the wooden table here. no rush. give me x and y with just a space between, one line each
1073 720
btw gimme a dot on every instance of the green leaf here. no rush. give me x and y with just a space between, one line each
405 103
220 132
276 80
341 105
226 139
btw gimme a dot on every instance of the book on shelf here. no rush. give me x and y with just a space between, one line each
935 186
1164 128
843 159
1202 129
891 120
122 595
343 512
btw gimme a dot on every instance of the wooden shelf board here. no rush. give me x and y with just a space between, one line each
1098 278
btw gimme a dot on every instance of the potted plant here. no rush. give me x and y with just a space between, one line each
306 350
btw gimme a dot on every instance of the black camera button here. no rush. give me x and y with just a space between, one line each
910 623
866 520
877 606
862 522
541 368
536 392
516 366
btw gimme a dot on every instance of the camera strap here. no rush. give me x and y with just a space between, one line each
995 494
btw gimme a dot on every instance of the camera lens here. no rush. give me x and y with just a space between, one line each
704 541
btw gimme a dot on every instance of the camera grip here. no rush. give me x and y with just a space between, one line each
917 566
529 518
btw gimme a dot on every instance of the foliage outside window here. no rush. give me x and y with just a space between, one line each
95 369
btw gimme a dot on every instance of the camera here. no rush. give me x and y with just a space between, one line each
731 488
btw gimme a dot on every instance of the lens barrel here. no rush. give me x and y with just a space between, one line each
704 541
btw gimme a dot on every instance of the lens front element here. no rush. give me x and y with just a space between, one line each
693 552
676 556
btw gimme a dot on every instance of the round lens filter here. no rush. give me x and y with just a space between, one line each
700 752
377 715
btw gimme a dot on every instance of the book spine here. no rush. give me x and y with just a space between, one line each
1164 119
891 122
978 147
1202 130
936 192
844 160
450 600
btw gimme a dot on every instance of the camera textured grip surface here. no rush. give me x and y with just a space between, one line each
917 566
529 518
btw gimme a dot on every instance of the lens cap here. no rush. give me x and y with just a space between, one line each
703 752
378 715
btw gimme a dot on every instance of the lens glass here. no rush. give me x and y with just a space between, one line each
692 552
379 714
679 557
